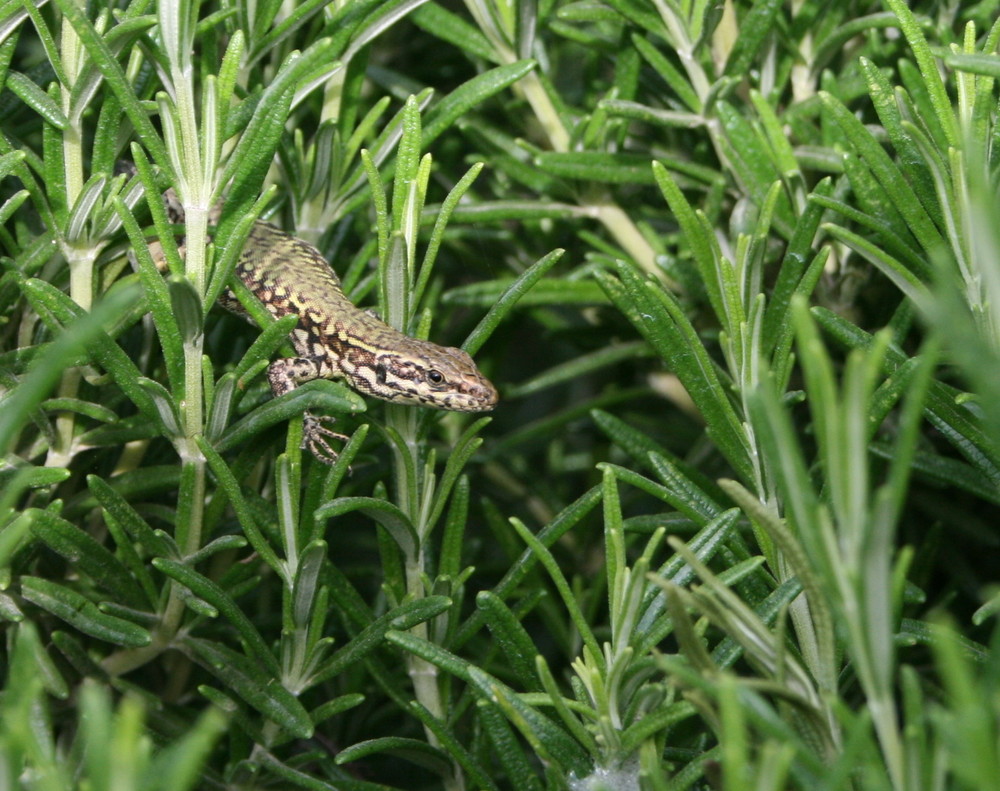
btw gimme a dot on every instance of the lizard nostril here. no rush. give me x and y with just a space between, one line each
486 393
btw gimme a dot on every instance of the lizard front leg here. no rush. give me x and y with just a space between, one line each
285 375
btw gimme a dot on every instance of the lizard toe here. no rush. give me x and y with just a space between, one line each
316 436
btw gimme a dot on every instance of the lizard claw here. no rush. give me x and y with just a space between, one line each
316 436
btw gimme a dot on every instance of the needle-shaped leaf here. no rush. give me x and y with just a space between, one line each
87 555
470 94
385 513
245 514
510 297
212 593
322 396
412 750
512 639
564 521
250 681
406 616
83 331
81 613
105 60
33 96
466 445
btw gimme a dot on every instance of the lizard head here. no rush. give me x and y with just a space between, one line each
423 373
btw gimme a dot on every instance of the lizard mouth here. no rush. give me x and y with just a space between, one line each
473 397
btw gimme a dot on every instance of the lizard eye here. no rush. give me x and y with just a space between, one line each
435 377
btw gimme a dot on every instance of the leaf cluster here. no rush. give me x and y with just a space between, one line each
731 266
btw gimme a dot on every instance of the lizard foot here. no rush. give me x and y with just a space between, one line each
316 436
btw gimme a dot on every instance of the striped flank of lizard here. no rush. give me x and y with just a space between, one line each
335 339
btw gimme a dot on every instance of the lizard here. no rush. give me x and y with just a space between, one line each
335 339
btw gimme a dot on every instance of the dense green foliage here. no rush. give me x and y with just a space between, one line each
732 266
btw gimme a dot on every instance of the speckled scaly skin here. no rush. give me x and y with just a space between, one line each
334 339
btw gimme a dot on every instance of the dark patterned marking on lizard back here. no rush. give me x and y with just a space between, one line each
336 339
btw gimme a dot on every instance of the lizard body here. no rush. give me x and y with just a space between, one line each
334 339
